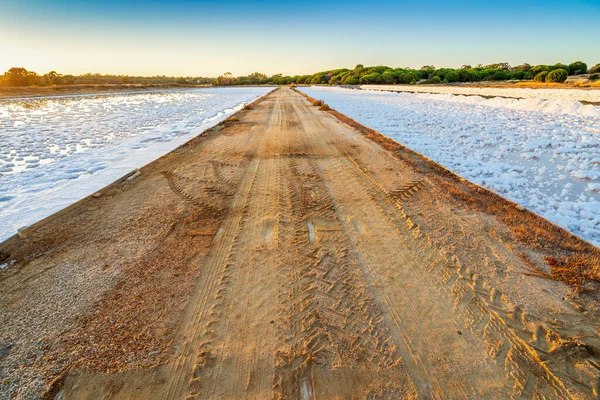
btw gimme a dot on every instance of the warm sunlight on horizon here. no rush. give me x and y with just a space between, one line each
206 39
299 199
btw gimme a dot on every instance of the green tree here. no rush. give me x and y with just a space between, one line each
535 70
500 75
519 75
370 78
350 80
577 68
388 77
541 77
452 77
318 79
558 75
595 69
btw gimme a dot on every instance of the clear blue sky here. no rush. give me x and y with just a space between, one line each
208 38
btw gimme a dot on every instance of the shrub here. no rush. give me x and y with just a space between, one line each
541 77
350 80
324 107
435 80
499 75
371 78
595 69
558 75
578 67
317 103
475 75
452 77
594 77
20 77
388 77
318 79
409 77
535 70
560 66
519 75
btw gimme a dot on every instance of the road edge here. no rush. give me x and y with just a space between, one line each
568 255
26 231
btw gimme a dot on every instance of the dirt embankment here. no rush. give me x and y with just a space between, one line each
58 90
293 253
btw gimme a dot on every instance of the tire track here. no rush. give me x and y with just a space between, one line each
500 327
319 284
196 334
240 365
335 337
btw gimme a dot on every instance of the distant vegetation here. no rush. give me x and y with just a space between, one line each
429 74
343 76
16 77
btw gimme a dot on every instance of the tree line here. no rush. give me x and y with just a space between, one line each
16 77
343 76
362 75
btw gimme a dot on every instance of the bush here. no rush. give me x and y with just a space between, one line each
559 66
318 79
541 77
475 75
558 75
435 80
412 77
388 77
577 68
594 77
595 69
452 77
519 75
371 78
500 75
535 70
409 78
317 103
350 80
324 107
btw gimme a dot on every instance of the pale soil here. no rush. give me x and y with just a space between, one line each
285 255
573 82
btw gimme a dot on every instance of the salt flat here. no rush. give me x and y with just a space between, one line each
288 252
55 151
522 93
543 155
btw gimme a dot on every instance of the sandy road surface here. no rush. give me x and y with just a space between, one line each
285 255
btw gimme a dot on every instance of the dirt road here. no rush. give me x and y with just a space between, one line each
285 255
